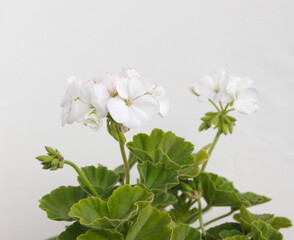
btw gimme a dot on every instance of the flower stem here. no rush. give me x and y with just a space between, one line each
201 217
211 149
83 177
218 218
213 103
124 157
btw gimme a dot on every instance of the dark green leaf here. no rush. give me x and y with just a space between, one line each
72 232
102 179
214 232
100 235
185 232
254 199
157 176
151 224
229 233
57 204
124 203
163 199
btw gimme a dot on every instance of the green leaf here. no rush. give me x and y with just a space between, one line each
214 232
185 232
254 199
151 224
264 231
183 210
163 147
72 232
229 233
246 218
57 204
281 222
157 176
124 203
102 179
218 191
100 235
163 199
236 238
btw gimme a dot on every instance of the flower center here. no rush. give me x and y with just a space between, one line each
128 102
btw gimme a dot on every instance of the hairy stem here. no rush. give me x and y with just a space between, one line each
83 177
201 217
124 157
211 149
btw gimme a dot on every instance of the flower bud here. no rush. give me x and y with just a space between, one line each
53 160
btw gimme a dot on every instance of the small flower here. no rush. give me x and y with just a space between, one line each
244 94
211 86
93 121
73 108
134 105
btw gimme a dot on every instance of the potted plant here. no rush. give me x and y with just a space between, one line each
173 190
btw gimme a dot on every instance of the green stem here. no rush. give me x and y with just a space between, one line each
201 218
83 177
218 218
213 103
211 149
124 157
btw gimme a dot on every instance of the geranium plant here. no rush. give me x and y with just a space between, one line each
173 192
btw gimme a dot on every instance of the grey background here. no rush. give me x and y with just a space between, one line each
170 42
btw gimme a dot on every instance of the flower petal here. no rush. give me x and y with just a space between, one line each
245 106
118 109
146 107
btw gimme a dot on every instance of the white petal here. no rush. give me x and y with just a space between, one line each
122 87
129 73
99 99
245 106
219 75
146 106
249 93
118 109
133 121
136 88
163 107
205 83
74 89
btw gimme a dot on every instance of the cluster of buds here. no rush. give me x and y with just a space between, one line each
220 120
53 160
189 188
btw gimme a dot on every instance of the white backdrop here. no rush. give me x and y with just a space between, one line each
170 42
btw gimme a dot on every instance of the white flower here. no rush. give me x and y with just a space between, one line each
244 94
73 109
212 86
134 105
128 73
93 121
159 94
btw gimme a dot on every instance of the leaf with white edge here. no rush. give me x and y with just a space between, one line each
100 235
218 191
102 179
185 232
72 232
281 222
151 224
57 204
236 238
254 199
163 199
189 171
157 176
201 156
214 232
124 203
246 218
264 231
145 148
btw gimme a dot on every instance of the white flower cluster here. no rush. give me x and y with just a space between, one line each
124 96
226 89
